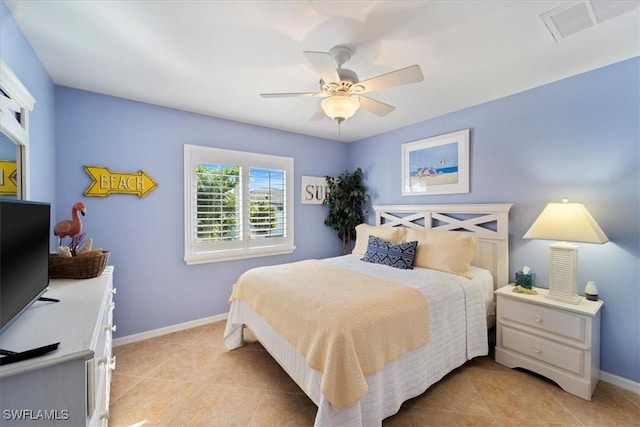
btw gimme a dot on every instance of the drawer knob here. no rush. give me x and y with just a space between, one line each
111 328
114 291
102 361
112 364
537 318
104 415
536 350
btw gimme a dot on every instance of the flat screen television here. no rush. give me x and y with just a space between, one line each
24 256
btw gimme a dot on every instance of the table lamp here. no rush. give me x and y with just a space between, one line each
565 222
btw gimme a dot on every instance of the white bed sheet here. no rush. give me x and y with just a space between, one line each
457 310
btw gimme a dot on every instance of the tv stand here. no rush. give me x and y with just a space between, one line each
69 386
18 356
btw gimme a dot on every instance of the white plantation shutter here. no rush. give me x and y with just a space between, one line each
267 203
237 204
218 203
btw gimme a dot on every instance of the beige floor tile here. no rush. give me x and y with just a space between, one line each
633 397
283 383
184 337
189 379
519 422
213 336
404 418
456 393
284 410
608 407
150 402
519 395
253 369
219 406
189 363
120 384
141 358
439 418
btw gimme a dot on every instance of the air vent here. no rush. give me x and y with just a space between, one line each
576 16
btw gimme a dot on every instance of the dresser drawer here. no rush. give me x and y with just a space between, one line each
549 352
562 323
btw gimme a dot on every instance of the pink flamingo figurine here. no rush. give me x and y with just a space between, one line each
70 227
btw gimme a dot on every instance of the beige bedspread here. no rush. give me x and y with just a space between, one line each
347 325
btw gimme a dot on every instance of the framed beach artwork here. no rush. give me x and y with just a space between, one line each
437 165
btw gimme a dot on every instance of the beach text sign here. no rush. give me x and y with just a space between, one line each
8 177
314 190
106 182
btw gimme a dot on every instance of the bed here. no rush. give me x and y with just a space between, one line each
459 308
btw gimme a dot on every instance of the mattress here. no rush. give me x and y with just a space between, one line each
457 311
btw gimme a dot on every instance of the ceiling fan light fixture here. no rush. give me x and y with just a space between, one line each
340 107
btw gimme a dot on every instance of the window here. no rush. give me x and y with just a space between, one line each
237 204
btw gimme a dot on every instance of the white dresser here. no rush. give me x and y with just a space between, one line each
69 386
557 340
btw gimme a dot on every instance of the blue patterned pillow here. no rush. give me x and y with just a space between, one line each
399 255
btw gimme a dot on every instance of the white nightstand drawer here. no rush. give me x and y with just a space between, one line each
552 353
557 322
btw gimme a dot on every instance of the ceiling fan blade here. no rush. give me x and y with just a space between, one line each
403 76
376 107
289 95
323 63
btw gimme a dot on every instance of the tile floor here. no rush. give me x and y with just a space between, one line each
189 379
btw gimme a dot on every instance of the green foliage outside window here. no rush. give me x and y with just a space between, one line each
217 205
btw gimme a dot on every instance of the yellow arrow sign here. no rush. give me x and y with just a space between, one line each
8 177
106 182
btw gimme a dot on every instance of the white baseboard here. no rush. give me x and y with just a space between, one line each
604 376
168 329
620 382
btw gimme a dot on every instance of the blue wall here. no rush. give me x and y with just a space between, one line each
145 236
578 138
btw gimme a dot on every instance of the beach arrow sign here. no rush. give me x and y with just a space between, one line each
106 182
8 177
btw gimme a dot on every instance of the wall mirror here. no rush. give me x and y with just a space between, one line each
15 104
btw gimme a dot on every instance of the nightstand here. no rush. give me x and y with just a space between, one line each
557 340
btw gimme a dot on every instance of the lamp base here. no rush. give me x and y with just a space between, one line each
563 273
575 299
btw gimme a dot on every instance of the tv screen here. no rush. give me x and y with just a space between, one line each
24 256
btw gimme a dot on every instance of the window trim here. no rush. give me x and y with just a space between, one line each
194 154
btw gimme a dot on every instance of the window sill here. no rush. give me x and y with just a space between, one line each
218 256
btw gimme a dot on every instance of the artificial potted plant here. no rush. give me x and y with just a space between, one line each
346 199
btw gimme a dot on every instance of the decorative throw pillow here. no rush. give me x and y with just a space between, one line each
363 231
444 251
399 255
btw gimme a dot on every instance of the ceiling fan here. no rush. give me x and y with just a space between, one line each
341 89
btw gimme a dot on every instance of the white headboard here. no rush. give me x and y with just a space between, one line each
489 223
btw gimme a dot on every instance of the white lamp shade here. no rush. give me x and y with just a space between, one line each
569 222
340 107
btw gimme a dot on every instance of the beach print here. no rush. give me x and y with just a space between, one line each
433 166
436 165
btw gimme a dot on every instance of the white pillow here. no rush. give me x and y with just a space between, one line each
363 231
444 251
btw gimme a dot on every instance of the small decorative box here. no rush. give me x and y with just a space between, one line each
525 280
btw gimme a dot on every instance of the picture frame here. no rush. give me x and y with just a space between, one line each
436 165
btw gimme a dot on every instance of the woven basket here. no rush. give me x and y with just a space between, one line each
77 267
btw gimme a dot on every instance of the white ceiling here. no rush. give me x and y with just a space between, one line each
215 57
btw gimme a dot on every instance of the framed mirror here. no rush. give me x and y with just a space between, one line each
15 104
